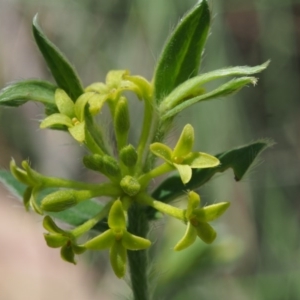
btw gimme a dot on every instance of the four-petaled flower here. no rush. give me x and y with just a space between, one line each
182 157
197 221
117 239
58 237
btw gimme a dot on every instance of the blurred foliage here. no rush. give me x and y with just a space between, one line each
256 255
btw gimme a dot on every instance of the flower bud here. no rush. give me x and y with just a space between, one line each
59 201
104 164
130 185
129 156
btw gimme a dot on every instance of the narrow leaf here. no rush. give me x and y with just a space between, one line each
181 56
61 69
193 85
239 160
20 92
226 89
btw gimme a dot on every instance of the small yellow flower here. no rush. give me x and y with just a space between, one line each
182 158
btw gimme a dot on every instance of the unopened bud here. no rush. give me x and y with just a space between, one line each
59 201
130 185
129 156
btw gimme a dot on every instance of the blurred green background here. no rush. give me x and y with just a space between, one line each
257 252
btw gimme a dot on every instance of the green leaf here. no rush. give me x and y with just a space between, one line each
20 92
181 56
192 87
226 89
240 160
61 69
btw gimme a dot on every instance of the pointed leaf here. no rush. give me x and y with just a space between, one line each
56 119
199 160
188 238
240 160
193 86
133 242
102 241
19 93
162 151
226 89
206 233
61 69
180 58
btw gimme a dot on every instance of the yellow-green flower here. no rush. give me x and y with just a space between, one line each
197 221
182 158
59 238
71 114
117 239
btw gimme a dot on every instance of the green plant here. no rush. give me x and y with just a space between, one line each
123 223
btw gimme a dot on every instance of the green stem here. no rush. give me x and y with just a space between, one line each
78 231
170 210
147 124
138 260
158 171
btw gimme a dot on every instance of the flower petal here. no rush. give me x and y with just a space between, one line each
118 257
56 119
67 254
133 242
116 217
206 233
50 225
185 172
193 203
103 241
185 142
55 240
188 238
64 103
201 160
77 132
211 212
162 151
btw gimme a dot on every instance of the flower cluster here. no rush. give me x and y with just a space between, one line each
131 167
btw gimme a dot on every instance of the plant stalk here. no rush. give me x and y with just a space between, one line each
138 260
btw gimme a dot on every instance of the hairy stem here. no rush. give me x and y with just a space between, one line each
138 260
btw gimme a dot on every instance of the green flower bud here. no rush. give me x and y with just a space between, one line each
129 156
122 122
67 253
59 201
130 185
121 118
93 162
105 164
